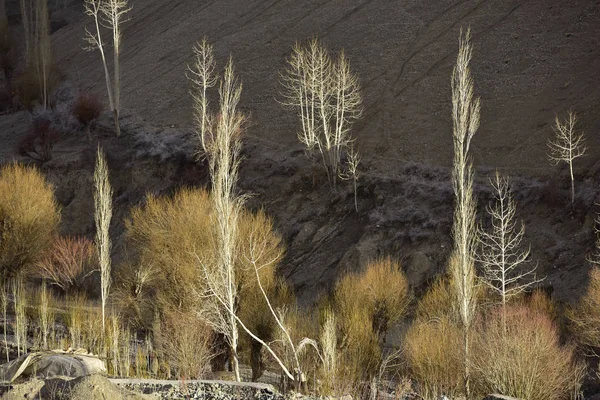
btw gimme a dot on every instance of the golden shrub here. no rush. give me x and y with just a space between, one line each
438 301
523 357
434 351
169 238
185 342
381 289
584 317
29 218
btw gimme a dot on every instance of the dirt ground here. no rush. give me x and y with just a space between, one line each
533 58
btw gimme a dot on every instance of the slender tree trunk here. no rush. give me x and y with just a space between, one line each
355 197
572 184
5 315
117 77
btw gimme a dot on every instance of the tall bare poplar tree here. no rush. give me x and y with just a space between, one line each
465 117
110 14
222 143
93 9
113 15
27 7
102 215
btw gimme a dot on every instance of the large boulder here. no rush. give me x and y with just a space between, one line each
49 364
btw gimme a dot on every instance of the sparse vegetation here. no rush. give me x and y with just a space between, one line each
87 108
326 94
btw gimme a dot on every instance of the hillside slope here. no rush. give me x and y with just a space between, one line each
533 58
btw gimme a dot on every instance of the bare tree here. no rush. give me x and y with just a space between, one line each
102 215
501 255
352 172
113 15
258 247
567 145
465 117
223 146
93 9
327 96
110 14
202 75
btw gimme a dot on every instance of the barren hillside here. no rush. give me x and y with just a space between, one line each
533 59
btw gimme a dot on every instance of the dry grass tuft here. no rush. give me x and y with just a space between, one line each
76 305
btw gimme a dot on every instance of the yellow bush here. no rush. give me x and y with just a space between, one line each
381 289
539 301
438 302
366 305
184 341
169 238
29 218
524 358
434 351
584 317
255 314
